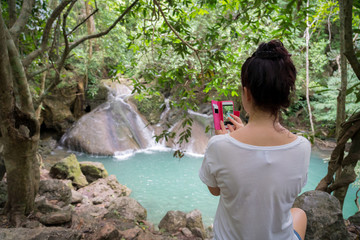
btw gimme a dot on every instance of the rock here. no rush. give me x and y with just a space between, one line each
355 219
57 114
126 208
109 232
3 194
44 206
148 236
55 191
105 190
195 224
130 233
199 138
40 233
186 232
115 126
173 221
56 218
93 171
76 197
325 219
69 168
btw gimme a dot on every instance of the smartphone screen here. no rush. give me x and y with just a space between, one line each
227 109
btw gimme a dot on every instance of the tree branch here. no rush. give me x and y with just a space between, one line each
179 37
6 85
76 27
12 12
45 37
97 35
18 72
346 7
23 18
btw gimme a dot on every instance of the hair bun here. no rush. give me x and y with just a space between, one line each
267 54
271 50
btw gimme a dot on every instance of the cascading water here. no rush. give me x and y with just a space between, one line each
112 128
115 128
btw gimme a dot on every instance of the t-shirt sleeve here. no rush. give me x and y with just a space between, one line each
205 173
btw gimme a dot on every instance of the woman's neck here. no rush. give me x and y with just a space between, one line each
263 119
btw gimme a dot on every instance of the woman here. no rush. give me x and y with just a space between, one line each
259 169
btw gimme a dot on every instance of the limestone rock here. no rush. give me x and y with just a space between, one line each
44 206
115 126
126 208
173 221
56 218
148 236
76 197
40 233
325 219
57 114
130 233
69 168
93 171
355 219
195 224
186 232
55 191
104 190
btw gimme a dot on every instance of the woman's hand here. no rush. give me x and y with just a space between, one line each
235 120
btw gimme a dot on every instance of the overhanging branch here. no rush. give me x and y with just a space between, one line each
179 37
22 19
97 35
45 37
349 46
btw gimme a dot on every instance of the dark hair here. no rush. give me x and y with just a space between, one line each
269 74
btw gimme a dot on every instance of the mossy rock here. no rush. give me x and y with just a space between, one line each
69 168
93 171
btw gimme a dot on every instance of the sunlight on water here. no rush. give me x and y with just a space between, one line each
162 183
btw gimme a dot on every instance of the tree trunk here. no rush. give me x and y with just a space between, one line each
19 130
21 137
341 99
307 38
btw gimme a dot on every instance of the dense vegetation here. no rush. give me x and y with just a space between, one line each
190 49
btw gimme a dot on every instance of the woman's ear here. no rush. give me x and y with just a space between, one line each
247 94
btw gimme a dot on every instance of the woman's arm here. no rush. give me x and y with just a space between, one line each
214 191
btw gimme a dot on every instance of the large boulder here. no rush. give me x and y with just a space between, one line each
115 127
126 208
104 190
173 221
195 224
69 168
56 112
325 219
199 138
57 218
93 171
40 233
55 191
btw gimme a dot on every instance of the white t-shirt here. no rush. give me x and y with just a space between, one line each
258 186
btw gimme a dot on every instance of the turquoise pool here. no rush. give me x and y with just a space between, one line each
161 183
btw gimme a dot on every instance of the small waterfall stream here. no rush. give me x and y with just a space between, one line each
116 128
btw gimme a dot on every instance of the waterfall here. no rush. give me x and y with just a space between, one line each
115 128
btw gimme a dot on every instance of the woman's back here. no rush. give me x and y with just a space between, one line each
258 185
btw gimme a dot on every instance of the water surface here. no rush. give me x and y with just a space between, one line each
162 183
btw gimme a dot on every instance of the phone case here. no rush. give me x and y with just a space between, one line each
218 113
